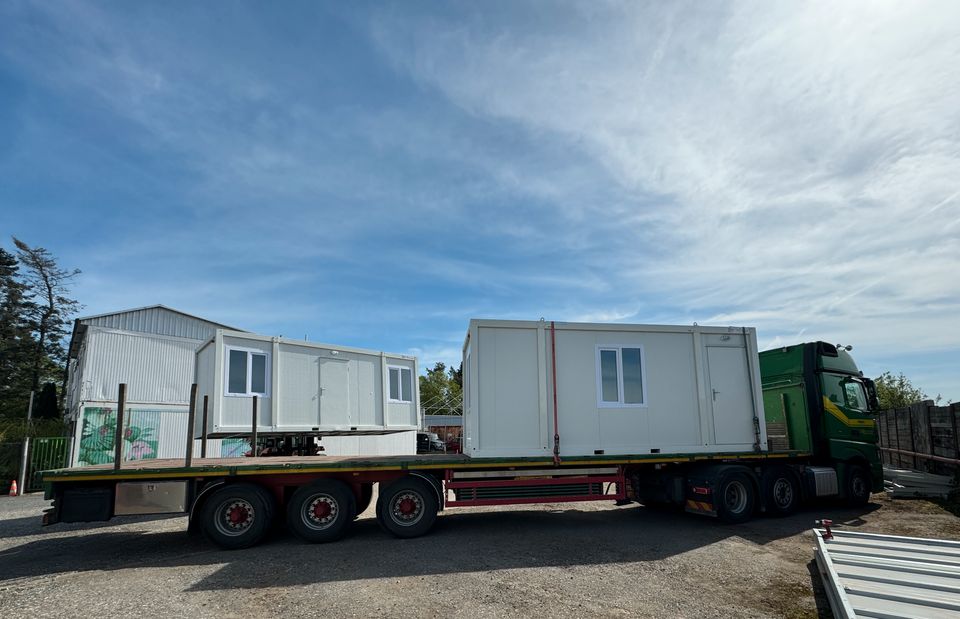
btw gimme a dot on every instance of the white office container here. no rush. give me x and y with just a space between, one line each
620 389
303 387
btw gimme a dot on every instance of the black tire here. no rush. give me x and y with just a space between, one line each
366 496
237 516
781 491
857 485
407 507
321 511
735 498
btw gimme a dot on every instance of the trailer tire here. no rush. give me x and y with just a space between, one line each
407 507
321 511
857 485
781 491
237 516
736 498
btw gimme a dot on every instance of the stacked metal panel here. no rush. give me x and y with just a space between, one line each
872 575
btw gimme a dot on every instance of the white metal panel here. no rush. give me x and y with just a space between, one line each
298 387
156 369
394 444
335 393
872 575
508 416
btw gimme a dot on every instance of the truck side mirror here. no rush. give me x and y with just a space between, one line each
872 400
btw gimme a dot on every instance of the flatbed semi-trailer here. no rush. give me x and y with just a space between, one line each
234 501
815 437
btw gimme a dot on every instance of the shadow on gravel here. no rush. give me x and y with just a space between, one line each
25 527
460 542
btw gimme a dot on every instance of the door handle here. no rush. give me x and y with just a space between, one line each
715 392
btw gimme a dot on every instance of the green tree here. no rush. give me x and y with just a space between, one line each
16 341
48 316
897 391
441 391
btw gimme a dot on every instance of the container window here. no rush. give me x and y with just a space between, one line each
401 384
247 372
405 376
620 377
632 376
237 372
609 376
258 373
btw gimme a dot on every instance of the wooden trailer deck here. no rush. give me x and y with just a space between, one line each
175 468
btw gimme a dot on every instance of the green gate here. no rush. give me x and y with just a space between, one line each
45 454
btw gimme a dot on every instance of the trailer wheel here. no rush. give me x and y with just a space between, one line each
857 485
237 516
407 507
781 492
735 498
321 511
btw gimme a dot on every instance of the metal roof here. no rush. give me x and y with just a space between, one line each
872 575
154 319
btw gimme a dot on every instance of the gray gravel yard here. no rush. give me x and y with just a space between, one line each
590 559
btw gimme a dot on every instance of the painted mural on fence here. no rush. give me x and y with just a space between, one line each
99 429
234 448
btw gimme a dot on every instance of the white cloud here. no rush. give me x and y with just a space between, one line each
806 154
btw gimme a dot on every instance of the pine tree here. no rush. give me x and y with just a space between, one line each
49 314
16 342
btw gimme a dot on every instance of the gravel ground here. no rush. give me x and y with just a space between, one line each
588 559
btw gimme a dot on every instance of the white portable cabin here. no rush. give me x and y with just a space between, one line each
303 387
620 389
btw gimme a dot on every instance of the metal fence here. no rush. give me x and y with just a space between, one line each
45 453
922 437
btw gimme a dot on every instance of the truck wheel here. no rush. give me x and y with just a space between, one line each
407 507
735 498
781 492
857 486
237 516
321 511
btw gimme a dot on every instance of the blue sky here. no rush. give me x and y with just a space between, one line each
377 174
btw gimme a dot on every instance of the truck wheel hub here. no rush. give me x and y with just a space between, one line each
321 512
407 508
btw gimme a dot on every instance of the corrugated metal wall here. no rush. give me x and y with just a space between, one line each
156 320
155 369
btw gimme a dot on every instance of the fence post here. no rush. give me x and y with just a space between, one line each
191 419
203 433
896 426
118 439
253 434
25 456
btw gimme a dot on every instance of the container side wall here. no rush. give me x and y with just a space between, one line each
235 410
205 368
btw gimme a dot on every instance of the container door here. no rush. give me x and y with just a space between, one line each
730 391
334 392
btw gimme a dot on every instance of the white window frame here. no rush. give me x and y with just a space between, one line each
643 377
400 369
226 372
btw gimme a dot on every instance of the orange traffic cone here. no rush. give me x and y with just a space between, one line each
13 488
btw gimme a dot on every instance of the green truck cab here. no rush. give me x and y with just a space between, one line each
816 400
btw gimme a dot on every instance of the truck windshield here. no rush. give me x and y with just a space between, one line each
845 390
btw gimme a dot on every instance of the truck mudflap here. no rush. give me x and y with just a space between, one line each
699 499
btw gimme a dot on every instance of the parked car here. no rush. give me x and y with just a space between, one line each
429 442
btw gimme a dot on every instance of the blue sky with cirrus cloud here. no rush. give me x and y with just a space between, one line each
377 174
